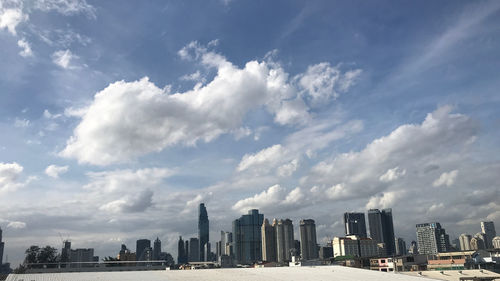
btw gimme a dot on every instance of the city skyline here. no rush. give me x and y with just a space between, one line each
119 118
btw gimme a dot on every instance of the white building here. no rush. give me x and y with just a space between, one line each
354 246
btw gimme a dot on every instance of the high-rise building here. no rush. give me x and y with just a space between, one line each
2 245
496 242
355 246
66 251
296 245
203 230
464 240
432 239
382 228
400 247
284 240
413 248
247 237
186 250
354 224
308 244
125 254
226 240
207 252
268 242
156 249
488 228
181 252
140 249
194 250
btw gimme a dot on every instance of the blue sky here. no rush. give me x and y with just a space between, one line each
118 118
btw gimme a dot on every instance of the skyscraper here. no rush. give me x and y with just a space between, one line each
247 237
2 245
284 240
488 228
432 239
140 249
464 240
382 228
400 246
308 244
194 249
181 252
268 242
226 239
354 224
203 230
156 249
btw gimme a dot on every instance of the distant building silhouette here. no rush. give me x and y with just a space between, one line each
140 250
203 230
464 241
413 249
156 249
247 237
308 244
125 254
478 242
268 242
382 228
496 242
226 242
432 239
400 247
284 240
354 224
2 245
181 251
488 228
194 250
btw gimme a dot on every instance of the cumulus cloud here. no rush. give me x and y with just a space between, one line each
392 174
130 119
447 179
63 58
130 204
272 195
16 224
384 200
9 176
54 171
21 123
10 18
26 48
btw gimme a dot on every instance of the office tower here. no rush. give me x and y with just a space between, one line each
354 224
400 247
207 252
194 249
247 237
268 242
478 242
156 249
325 253
432 239
308 244
464 240
203 230
2 245
496 242
413 248
488 228
140 249
186 250
66 251
181 252
382 228
226 239
355 246
284 240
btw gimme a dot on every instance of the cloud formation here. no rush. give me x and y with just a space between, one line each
129 119
9 176
54 171
447 179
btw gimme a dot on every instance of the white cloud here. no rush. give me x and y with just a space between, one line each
130 119
67 7
447 179
130 204
9 176
392 174
11 18
21 123
273 195
288 169
54 171
63 58
26 48
385 200
16 224
48 115
263 159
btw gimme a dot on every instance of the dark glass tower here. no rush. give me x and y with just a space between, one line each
181 252
156 249
141 246
203 229
355 224
382 228
247 237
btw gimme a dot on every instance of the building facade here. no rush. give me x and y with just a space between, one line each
308 243
284 240
156 249
496 242
488 229
268 242
382 228
203 230
400 247
2 245
140 249
354 224
432 239
464 241
247 237
354 246
194 250
181 252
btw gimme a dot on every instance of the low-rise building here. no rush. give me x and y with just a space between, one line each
354 246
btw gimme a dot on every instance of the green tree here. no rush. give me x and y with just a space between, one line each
32 254
47 254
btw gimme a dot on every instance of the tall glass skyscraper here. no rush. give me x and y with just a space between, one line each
247 237
355 224
308 243
203 230
382 228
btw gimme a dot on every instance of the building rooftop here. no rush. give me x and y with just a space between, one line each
337 273
456 275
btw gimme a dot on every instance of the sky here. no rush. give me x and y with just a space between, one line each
119 117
